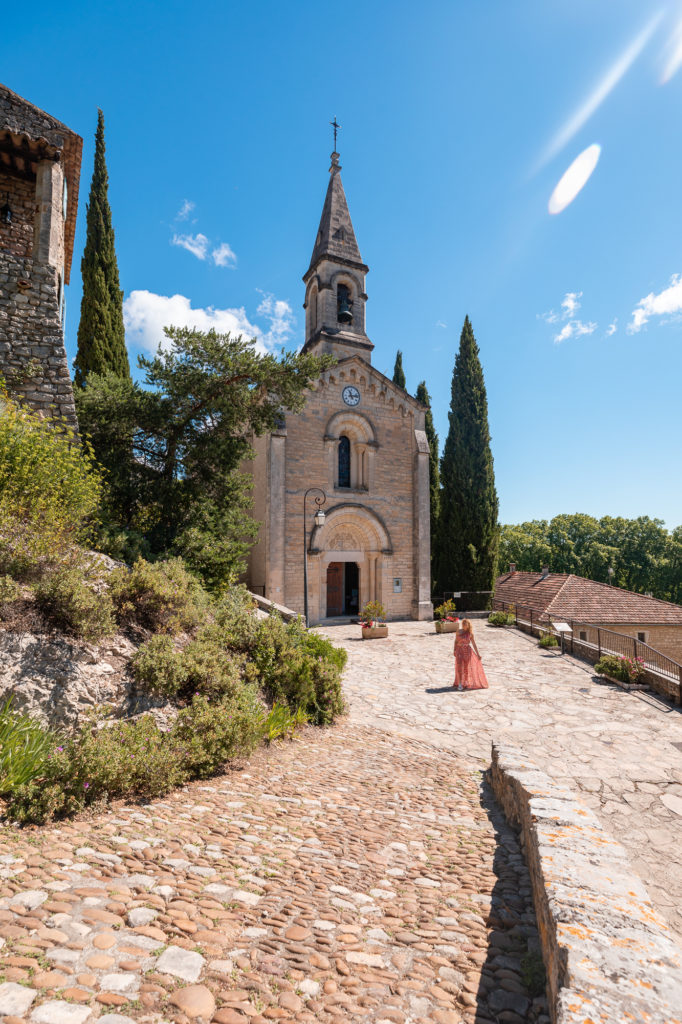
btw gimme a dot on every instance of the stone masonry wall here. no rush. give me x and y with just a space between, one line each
609 956
17 237
32 355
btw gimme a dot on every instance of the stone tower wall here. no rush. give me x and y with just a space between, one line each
35 254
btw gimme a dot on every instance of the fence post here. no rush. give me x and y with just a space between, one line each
531 622
516 615
679 695
599 642
634 648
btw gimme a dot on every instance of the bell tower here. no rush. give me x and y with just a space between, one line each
335 281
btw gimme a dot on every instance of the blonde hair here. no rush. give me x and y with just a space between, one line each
466 626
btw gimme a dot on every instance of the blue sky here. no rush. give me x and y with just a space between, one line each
458 121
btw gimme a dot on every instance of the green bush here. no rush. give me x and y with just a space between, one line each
299 669
373 612
124 759
282 722
9 590
446 610
160 596
627 670
24 748
50 489
208 733
501 619
76 603
158 666
548 640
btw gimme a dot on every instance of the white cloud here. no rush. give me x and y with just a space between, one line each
602 89
574 329
196 244
281 318
440 323
666 303
223 255
612 328
571 303
673 59
185 210
146 314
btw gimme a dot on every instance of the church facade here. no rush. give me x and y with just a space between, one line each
359 446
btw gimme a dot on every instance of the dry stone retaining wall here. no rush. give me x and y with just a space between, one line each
608 954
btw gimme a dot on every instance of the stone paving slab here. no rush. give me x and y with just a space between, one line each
341 877
617 748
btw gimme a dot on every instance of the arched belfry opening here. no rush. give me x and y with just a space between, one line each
344 461
344 305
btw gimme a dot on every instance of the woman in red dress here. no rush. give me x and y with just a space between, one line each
469 674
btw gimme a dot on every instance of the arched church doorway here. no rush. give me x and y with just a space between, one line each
343 589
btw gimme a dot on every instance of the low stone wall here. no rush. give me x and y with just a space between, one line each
270 606
609 956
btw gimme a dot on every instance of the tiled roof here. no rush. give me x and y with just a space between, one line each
573 597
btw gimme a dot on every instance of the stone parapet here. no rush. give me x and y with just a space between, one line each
609 956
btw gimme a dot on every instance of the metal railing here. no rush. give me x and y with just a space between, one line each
661 673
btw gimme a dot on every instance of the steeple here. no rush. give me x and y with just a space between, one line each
335 280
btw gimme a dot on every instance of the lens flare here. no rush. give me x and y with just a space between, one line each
574 179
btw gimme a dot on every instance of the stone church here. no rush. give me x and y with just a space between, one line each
40 161
360 443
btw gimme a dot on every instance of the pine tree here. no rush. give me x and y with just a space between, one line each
468 531
398 372
434 474
101 335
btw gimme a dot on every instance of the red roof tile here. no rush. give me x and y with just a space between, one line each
573 597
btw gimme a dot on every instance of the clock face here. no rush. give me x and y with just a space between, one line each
350 395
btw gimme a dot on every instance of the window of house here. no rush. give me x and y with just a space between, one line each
344 461
641 637
583 634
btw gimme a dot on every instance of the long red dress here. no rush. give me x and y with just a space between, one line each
468 668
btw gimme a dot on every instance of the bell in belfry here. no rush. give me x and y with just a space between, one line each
345 314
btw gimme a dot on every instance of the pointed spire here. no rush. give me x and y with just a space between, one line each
335 237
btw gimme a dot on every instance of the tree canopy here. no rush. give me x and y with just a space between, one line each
423 396
398 372
101 335
174 446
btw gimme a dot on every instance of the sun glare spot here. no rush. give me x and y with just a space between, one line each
673 60
574 179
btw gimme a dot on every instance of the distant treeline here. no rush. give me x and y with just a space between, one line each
644 556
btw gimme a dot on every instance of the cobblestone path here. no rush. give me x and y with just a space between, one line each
623 751
342 877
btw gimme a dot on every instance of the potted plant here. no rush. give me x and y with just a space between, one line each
445 616
372 621
625 672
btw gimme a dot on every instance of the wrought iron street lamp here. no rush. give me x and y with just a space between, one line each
319 518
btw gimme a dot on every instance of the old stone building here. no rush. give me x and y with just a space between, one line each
360 440
40 162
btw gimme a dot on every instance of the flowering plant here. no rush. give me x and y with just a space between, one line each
373 613
446 611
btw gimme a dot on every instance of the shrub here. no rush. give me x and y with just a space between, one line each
548 640
124 759
161 596
282 722
207 734
300 669
75 604
24 748
501 619
373 612
627 670
9 590
446 610
50 488
158 666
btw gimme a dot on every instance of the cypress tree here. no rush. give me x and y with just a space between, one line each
398 372
101 335
423 396
468 531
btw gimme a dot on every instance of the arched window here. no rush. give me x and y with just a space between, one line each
344 306
344 461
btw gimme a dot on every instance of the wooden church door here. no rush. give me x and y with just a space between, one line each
335 589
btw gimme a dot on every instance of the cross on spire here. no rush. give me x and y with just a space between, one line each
336 127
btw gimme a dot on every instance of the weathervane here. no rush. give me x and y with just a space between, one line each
336 127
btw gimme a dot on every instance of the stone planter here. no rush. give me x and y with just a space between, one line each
446 627
374 632
639 685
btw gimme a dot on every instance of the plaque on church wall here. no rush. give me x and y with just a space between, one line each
397 585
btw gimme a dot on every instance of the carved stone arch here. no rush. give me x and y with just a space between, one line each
354 424
355 520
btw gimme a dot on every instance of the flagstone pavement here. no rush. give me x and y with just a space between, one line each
622 751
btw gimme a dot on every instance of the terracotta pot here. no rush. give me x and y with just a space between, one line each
374 632
446 627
